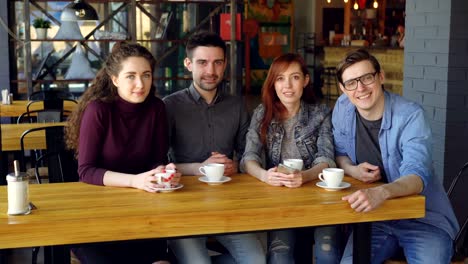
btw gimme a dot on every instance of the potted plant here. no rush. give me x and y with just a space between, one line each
41 26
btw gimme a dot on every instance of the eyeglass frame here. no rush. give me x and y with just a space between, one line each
358 79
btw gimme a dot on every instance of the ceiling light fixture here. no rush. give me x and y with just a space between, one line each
375 5
355 6
328 1
346 1
78 10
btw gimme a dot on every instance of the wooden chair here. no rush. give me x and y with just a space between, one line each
458 199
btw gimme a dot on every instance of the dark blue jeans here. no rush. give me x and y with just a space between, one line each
421 243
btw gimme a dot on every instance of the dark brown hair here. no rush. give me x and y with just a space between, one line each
204 39
355 57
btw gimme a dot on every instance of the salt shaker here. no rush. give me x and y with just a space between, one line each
18 192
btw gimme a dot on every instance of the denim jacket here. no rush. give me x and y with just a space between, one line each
312 133
405 141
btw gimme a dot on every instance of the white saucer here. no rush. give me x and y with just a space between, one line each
170 189
343 185
221 181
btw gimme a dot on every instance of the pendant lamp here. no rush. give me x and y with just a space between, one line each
78 10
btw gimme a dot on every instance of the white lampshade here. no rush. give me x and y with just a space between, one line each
78 10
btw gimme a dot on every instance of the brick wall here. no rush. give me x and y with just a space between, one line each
436 76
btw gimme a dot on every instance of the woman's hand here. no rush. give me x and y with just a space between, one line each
146 181
293 180
273 177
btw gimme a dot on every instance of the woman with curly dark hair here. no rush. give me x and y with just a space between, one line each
119 135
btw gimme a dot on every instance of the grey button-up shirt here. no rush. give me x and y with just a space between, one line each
196 128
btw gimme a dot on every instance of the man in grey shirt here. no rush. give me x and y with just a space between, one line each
208 126
205 124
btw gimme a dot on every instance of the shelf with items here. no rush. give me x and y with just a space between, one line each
162 26
273 36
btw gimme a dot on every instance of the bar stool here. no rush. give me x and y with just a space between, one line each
329 82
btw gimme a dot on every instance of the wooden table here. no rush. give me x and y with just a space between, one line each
73 213
11 134
19 106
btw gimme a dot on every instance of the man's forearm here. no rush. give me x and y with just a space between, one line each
347 165
404 186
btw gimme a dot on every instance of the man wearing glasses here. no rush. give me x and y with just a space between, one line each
380 136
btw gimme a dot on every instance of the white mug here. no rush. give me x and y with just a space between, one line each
164 179
213 171
296 164
332 177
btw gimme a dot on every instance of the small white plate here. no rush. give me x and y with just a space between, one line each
343 185
221 181
171 189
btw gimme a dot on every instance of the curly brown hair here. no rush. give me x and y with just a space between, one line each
102 88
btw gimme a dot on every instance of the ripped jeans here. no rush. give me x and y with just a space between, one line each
326 247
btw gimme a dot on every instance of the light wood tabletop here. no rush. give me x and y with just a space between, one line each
71 213
19 106
11 134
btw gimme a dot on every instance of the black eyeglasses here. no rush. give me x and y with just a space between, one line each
366 79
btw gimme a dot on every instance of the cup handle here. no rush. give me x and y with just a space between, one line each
321 177
202 170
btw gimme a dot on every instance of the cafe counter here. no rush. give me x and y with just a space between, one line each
391 61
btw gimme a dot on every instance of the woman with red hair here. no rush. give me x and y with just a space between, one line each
290 125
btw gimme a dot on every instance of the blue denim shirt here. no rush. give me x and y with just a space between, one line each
313 136
405 140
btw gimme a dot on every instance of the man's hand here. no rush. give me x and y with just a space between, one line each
367 172
230 166
365 200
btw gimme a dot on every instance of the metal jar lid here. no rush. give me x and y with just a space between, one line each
11 177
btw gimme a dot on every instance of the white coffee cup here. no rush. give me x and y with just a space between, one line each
296 164
170 172
213 171
164 179
332 177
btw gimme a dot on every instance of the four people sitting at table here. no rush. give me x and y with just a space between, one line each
122 137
